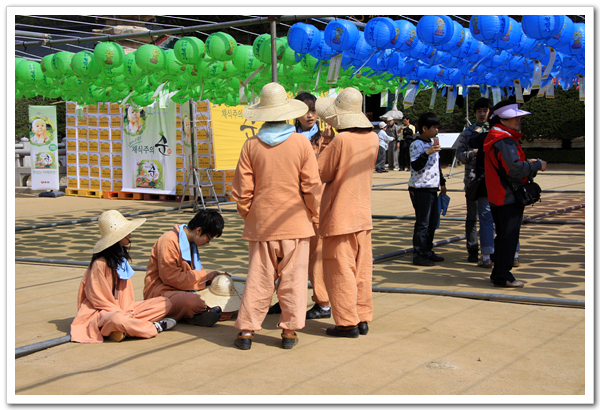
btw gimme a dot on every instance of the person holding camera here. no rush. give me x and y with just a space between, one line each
506 167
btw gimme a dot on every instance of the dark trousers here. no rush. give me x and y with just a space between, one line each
380 164
404 154
508 219
471 226
424 200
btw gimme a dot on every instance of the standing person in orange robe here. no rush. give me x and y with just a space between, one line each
106 303
346 168
277 189
175 270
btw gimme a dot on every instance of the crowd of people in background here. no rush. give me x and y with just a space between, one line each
305 197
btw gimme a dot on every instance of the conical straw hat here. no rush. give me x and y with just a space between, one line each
275 105
114 227
344 111
223 292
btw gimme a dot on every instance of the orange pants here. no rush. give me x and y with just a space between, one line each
348 266
286 260
185 304
136 323
315 269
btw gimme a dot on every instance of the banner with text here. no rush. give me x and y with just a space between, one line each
44 148
149 149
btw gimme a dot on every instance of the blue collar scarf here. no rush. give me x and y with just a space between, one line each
311 132
124 270
187 252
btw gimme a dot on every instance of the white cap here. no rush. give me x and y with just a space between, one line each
510 111
382 124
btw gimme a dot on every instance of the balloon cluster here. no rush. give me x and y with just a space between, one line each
494 50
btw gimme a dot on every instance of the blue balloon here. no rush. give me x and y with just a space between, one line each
542 26
361 50
452 77
380 61
402 66
416 73
341 35
407 40
435 30
576 44
562 38
510 39
580 58
422 50
323 51
459 34
482 52
303 38
525 45
381 32
465 46
488 27
497 60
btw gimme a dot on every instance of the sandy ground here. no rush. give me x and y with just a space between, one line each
420 347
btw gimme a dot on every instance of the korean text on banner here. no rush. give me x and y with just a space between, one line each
230 132
149 149
44 148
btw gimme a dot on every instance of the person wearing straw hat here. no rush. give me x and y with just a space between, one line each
277 189
175 270
346 168
106 302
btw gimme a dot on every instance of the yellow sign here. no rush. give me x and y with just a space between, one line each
71 133
94 183
105 160
94 171
72 158
93 159
84 183
72 170
106 185
104 134
114 108
93 146
115 134
93 133
92 109
106 172
116 160
82 121
70 121
82 133
117 172
84 171
115 121
104 147
72 182
230 132
83 158
103 122
71 145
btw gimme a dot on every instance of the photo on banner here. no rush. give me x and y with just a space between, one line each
149 149
44 147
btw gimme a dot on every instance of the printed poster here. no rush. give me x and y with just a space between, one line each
44 148
149 149
230 132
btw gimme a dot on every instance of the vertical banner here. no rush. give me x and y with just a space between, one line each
44 148
411 94
230 131
149 149
519 92
451 100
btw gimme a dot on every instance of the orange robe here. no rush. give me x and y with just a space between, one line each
277 190
345 224
101 312
169 275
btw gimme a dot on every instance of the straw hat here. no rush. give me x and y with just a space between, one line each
113 228
223 292
275 105
344 111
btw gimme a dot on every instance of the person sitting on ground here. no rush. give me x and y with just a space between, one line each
384 140
425 180
106 302
277 188
175 270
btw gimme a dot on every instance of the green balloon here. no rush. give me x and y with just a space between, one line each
130 67
29 72
229 70
84 65
172 64
289 55
245 60
308 63
189 50
61 63
262 48
109 55
143 100
46 65
150 58
221 46
112 72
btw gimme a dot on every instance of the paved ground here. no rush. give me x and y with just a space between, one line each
419 344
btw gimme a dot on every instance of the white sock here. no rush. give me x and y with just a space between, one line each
158 327
516 255
325 308
485 257
247 334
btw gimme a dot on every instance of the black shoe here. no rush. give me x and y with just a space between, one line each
207 318
349 331
243 342
385 170
435 258
275 309
473 256
363 328
422 261
289 341
316 312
